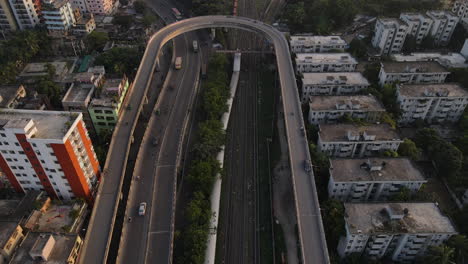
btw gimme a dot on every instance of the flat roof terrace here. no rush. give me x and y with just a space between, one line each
49 124
433 90
372 218
341 132
334 78
325 58
413 67
354 102
391 169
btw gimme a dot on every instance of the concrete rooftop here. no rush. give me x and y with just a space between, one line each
334 78
353 102
339 132
433 90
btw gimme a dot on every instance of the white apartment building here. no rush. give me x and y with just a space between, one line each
47 150
372 179
389 35
58 15
444 23
460 9
329 109
448 60
81 5
316 44
332 83
419 25
444 102
400 231
423 72
25 12
325 62
350 140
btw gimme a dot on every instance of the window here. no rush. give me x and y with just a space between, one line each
17 144
48 145
13 167
100 117
34 145
2 134
8 159
101 123
12 152
21 167
21 152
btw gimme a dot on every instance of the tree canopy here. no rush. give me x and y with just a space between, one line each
96 40
120 60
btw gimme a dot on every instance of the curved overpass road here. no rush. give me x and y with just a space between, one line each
311 234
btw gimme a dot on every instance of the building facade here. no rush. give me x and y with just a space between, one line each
444 23
85 24
58 15
26 12
105 110
329 109
48 248
48 150
349 140
399 231
437 103
332 83
419 25
325 62
389 35
316 44
12 234
7 18
100 7
460 9
424 72
372 179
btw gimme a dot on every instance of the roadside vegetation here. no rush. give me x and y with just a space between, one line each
121 60
191 240
20 49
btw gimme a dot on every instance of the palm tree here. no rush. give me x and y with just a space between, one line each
460 244
441 255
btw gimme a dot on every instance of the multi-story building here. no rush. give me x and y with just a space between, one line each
11 235
325 62
58 15
419 25
26 12
47 150
77 99
316 44
444 102
100 7
401 231
448 60
105 110
85 24
332 83
80 5
372 179
423 72
460 9
349 140
7 18
329 109
48 248
389 35
444 23
10 96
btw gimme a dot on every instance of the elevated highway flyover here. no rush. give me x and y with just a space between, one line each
310 228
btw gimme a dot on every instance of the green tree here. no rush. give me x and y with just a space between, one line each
460 245
404 195
409 149
358 48
387 118
333 221
440 255
120 60
97 40
140 6
211 138
202 174
125 21
149 19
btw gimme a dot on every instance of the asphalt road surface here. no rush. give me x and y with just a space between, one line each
155 171
311 234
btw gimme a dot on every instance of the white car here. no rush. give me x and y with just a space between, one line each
142 208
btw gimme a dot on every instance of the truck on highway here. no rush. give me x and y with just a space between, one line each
195 46
178 63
